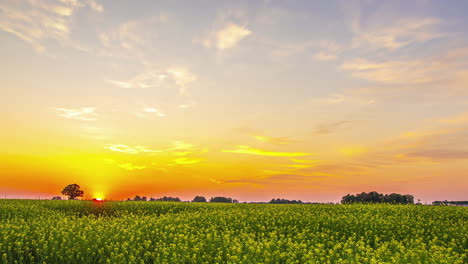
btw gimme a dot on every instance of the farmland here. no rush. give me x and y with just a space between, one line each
165 232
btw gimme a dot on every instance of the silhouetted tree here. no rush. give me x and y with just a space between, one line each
167 199
72 191
57 198
285 201
199 199
220 199
375 197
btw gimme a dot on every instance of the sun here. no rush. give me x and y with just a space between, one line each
98 199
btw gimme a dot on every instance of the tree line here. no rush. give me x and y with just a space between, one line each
74 191
375 197
196 199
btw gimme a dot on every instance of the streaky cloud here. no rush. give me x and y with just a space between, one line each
130 150
83 114
254 151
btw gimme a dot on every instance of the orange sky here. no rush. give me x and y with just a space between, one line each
253 100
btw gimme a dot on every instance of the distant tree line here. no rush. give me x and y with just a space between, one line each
375 197
196 199
458 203
285 201
220 199
162 199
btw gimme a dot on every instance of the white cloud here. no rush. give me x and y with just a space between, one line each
228 37
397 34
84 113
129 35
37 21
95 6
150 112
130 150
178 77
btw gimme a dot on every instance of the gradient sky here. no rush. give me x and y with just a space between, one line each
254 100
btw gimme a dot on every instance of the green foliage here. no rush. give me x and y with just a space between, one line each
131 232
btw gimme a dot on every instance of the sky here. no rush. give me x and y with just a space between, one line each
254 100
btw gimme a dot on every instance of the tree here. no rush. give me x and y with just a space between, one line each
220 199
167 199
375 197
199 199
73 191
56 198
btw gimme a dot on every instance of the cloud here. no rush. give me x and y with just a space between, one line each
397 34
150 111
38 21
130 150
342 98
353 150
253 151
439 154
228 37
182 77
182 145
95 6
322 56
277 179
84 114
275 140
215 181
329 51
411 71
129 35
130 166
176 77
459 119
186 161
328 128
304 161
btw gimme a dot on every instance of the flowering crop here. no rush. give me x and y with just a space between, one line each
165 232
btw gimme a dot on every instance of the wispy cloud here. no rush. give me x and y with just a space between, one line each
329 50
178 77
410 71
330 127
38 21
459 119
186 161
254 151
440 154
149 112
339 98
396 34
84 113
130 166
130 150
275 140
227 37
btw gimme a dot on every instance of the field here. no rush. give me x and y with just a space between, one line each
163 232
